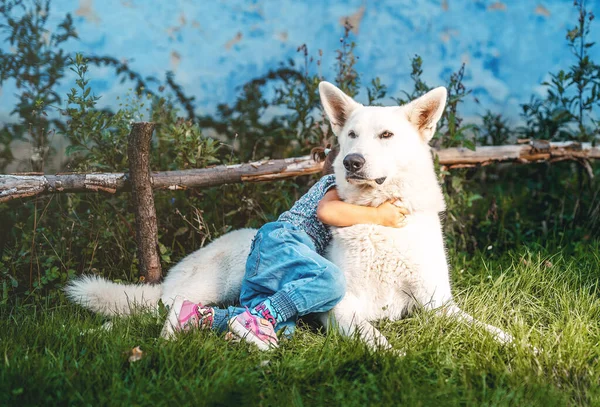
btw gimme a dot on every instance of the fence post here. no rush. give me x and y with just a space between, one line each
138 152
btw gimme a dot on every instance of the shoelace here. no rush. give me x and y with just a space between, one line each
205 317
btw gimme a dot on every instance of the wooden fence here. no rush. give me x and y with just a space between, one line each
141 181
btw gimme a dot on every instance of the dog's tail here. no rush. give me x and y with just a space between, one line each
107 298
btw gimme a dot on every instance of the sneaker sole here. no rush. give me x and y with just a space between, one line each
240 330
168 331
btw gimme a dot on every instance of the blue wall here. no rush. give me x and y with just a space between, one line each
215 46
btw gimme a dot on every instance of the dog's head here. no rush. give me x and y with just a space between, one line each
378 144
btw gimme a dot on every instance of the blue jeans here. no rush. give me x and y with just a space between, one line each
284 266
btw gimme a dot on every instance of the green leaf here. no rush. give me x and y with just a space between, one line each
162 248
469 144
181 231
72 149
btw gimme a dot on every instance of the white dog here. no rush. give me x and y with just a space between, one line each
384 155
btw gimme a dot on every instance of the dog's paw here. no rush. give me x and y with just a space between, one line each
501 336
535 350
400 353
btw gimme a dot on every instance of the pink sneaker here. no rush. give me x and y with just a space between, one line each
193 315
254 330
185 315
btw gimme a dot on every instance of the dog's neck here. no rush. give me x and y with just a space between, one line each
416 187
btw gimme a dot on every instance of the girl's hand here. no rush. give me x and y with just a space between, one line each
335 212
391 214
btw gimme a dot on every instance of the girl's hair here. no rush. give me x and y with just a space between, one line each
326 155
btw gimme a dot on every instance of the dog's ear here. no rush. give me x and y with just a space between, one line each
337 105
427 110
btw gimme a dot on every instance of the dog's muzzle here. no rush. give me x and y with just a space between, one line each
354 163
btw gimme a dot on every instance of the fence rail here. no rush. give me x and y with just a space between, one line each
13 186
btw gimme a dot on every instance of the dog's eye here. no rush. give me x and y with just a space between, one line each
352 134
386 134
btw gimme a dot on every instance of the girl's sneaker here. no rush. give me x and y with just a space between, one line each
254 330
185 315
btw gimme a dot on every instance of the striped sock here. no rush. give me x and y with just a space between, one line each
276 309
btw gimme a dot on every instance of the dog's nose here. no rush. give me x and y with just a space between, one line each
354 162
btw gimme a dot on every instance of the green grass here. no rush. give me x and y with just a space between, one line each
55 355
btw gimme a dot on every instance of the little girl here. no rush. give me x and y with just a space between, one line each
286 274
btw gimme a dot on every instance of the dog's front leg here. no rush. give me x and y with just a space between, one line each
451 309
347 321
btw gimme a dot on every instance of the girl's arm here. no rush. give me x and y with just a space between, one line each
335 212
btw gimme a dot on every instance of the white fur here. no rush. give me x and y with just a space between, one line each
210 275
108 298
389 271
